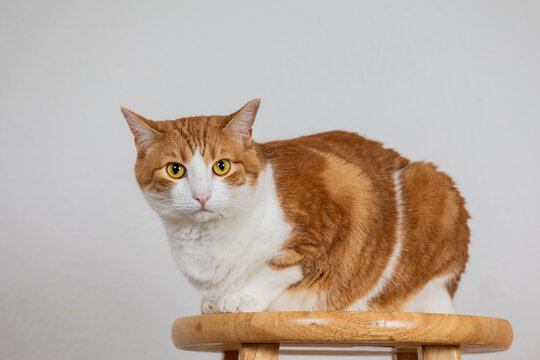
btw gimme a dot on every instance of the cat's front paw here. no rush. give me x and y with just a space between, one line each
239 302
208 306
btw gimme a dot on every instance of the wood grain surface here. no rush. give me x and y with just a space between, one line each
221 332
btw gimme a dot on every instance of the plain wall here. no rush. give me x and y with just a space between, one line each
85 267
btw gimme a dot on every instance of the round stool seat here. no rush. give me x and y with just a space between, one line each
342 330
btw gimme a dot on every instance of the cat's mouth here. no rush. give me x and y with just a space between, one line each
202 215
202 211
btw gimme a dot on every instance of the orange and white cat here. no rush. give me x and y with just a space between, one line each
331 221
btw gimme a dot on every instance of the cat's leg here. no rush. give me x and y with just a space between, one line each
433 298
259 290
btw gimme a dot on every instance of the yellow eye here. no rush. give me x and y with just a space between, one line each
221 167
176 170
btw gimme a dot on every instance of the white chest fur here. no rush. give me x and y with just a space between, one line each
220 256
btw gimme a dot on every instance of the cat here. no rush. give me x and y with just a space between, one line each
324 222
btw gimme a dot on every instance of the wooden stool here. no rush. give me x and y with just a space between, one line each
403 335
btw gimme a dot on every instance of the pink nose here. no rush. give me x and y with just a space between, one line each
201 198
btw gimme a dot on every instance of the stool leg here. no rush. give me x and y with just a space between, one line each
405 356
230 355
259 352
440 352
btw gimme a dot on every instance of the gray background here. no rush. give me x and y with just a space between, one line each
85 268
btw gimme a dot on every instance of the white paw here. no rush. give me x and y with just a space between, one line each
208 306
239 302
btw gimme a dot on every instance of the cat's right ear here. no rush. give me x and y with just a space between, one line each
140 127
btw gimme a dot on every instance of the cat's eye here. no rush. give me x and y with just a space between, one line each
221 167
176 170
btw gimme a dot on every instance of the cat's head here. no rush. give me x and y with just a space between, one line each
196 168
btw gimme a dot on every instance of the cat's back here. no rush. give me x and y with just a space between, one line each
336 165
347 146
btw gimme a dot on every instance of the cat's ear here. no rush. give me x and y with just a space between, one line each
243 120
141 128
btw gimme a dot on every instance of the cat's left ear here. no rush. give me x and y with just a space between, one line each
141 128
243 121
